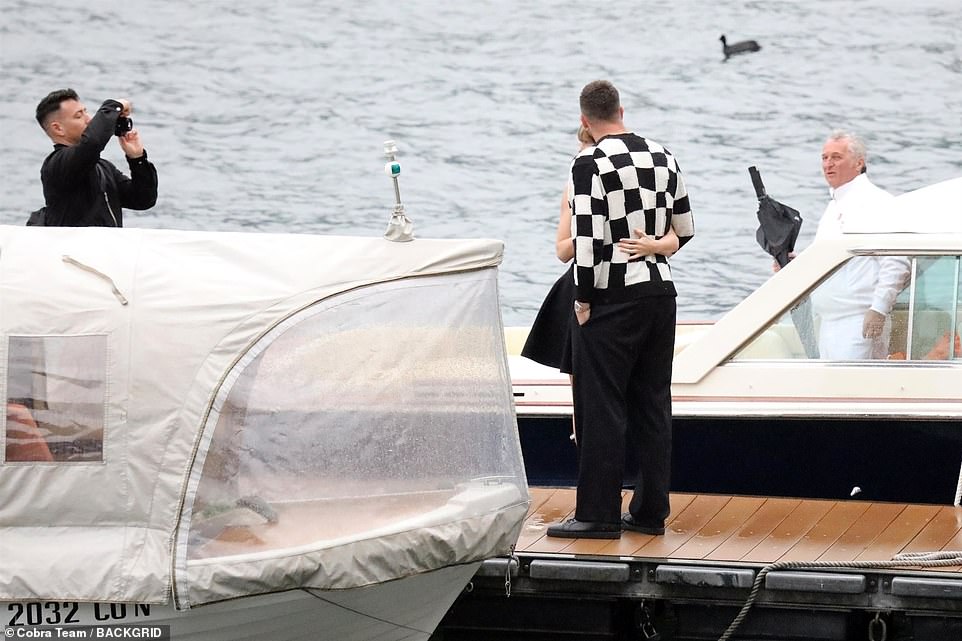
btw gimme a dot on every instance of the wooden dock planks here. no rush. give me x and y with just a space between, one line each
943 532
823 534
631 542
757 530
556 506
862 533
789 532
899 533
721 527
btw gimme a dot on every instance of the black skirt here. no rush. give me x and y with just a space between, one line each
549 341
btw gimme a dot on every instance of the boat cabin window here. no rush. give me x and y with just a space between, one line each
923 296
928 316
56 391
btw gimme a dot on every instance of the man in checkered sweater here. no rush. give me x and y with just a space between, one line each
626 194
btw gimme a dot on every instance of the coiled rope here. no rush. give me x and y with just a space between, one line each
907 559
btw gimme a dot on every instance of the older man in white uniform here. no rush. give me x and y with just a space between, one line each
853 305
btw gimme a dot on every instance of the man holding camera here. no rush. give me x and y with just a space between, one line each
82 189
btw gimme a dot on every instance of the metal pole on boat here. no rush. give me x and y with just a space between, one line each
399 228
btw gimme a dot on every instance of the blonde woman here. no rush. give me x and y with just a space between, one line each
549 340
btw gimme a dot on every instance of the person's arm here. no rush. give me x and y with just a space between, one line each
681 228
72 163
681 219
892 276
645 245
140 190
564 245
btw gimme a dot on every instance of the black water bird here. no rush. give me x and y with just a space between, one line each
745 46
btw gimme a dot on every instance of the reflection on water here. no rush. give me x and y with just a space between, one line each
273 119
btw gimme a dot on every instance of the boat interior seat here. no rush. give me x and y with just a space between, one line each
791 340
771 344
686 334
514 338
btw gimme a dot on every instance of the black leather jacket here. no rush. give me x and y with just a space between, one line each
83 190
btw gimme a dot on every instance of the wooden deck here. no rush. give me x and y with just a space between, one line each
833 581
757 530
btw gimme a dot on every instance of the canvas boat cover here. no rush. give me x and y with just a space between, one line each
200 416
933 209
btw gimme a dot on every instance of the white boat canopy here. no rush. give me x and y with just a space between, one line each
935 208
202 415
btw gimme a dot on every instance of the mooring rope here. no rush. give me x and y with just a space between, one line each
907 559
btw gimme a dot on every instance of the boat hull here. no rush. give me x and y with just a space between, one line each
910 461
407 609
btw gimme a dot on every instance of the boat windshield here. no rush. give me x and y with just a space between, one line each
923 299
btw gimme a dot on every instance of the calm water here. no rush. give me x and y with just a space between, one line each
271 116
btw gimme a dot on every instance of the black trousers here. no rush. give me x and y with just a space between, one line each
622 397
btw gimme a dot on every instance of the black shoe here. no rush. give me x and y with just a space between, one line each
575 529
630 523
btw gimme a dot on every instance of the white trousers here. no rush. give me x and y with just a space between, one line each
840 339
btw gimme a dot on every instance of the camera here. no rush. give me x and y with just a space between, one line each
123 126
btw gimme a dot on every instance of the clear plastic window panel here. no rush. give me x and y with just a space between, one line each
56 399
364 412
934 308
829 322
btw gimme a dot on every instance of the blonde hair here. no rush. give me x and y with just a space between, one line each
584 137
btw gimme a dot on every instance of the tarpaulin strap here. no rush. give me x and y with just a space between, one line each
95 272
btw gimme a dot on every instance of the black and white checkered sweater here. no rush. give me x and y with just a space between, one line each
622 183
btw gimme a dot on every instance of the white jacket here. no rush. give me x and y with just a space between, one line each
864 281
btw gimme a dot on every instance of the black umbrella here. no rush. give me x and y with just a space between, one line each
778 224
777 231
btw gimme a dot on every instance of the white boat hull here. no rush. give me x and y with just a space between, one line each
407 609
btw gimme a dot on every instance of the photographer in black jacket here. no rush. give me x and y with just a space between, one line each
80 188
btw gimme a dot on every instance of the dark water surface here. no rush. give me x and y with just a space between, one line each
271 116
